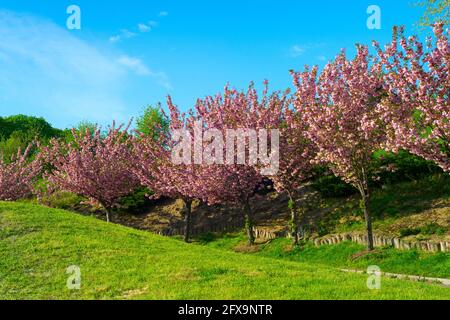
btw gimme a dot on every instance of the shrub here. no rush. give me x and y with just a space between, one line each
64 200
432 228
400 167
332 186
392 168
427 230
409 232
135 202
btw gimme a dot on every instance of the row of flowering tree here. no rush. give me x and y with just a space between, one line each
338 117
189 164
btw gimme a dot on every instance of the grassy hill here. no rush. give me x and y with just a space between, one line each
37 244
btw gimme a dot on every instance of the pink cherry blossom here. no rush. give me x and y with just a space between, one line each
17 177
337 108
93 166
297 153
417 111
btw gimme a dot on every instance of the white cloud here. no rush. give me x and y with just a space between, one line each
297 50
163 80
45 69
321 58
163 14
127 34
144 28
147 27
124 34
134 64
138 67
114 38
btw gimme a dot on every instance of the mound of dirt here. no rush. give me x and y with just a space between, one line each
270 212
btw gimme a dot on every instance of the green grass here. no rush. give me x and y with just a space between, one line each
37 244
411 262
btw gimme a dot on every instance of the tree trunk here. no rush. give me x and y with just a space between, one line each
108 214
187 220
365 205
249 223
294 220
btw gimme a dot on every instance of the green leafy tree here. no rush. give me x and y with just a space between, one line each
19 131
435 11
32 126
8 147
81 127
152 121
2 125
85 125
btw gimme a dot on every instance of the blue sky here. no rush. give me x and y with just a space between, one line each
132 53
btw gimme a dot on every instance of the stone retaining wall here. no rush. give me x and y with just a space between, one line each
227 227
379 241
382 241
